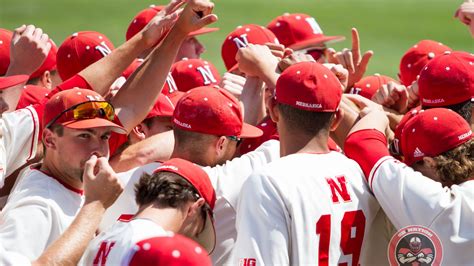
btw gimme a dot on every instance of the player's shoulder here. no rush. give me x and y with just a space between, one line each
134 174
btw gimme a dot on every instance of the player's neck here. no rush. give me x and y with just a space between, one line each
294 142
50 169
188 154
169 218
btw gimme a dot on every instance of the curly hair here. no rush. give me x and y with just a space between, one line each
164 188
456 165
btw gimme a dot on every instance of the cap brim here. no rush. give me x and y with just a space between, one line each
249 131
93 123
202 31
207 238
10 81
315 42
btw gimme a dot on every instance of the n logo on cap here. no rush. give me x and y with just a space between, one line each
171 84
103 49
241 41
314 25
206 74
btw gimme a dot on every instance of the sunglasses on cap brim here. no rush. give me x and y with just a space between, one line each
88 110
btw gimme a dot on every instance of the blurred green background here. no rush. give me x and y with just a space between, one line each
388 27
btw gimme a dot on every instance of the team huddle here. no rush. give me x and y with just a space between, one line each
145 155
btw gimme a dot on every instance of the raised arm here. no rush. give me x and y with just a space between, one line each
102 74
137 96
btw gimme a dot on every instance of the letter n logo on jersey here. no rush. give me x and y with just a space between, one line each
241 41
207 75
338 189
103 253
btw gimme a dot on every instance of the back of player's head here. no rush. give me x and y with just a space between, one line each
308 94
441 134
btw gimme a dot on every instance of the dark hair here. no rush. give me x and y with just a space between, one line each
456 165
164 188
463 109
191 139
311 123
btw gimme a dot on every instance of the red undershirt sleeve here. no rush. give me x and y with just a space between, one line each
366 147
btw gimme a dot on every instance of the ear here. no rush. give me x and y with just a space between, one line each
46 80
49 139
338 116
220 145
272 109
195 208
139 131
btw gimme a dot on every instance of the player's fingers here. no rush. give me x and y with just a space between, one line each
37 33
89 167
208 19
340 59
360 101
365 61
288 51
18 31
173 6
330 54
355 45
349 60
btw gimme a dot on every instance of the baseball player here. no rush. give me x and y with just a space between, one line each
312 205
436 188
80 121
200 137
178 197
70 246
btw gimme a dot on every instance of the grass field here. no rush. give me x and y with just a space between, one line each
388 27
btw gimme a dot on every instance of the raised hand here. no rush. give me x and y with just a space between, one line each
352 59
233 83
256 60
392 95
294 58
196 14
100 182
160 25
29 48
341 73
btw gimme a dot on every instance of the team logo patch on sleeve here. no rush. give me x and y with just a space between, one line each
415 245
248 262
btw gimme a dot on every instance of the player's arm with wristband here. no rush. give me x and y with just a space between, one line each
406 196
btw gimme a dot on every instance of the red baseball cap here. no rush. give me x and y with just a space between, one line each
164 106
241 37
143 17
49 63
309 86
300 31
396 143
80 109
446 80
199 179
368 86
5 40
80 50
10 81
212 110
174 250
32 94
433 132
417 57
192 73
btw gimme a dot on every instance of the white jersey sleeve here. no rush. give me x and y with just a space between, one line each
8 258
26 229
260 239
19 133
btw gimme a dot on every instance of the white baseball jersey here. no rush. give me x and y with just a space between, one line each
12 258
18 140
409 198
38 211
304 209
112 246
227 181
125 203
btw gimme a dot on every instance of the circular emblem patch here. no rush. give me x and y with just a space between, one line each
415 245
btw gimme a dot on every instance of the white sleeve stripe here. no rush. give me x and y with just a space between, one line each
375 168
34 137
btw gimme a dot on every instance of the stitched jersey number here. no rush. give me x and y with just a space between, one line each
352 235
